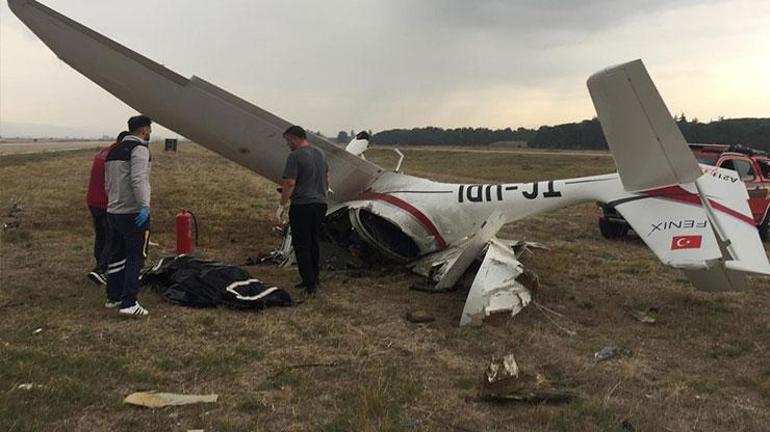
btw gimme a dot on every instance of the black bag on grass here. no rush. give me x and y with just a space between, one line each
189 281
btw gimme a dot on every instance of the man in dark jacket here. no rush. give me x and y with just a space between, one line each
96 199
305 182
127 180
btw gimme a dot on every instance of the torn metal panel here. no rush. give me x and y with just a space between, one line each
160 400
500 369
436 265
503 381
496 288
520 247
446 267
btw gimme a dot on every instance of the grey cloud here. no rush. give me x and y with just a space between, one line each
334 63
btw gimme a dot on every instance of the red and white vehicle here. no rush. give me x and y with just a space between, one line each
752 167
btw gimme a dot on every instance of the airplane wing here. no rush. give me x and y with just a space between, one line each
194 108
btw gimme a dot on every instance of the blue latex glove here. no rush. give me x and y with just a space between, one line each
141 218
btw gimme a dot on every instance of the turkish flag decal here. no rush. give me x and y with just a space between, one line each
686 242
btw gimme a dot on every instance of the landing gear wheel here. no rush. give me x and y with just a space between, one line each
612 230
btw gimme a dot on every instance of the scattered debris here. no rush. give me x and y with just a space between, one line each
412 424
627 426
644 316
503 382
547 311
28 386
12 219
419 316
159 400
501 369
608 352
37 331
11 224
260 258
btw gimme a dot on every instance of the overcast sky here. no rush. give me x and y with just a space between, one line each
366 64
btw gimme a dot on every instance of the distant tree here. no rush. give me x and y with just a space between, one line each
343 137
588 134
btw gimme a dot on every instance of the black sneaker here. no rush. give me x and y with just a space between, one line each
97 277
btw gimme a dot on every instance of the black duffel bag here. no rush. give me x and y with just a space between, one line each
189 281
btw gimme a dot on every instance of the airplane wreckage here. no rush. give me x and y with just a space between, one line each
438 229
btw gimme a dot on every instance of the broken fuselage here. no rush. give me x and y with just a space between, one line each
407 217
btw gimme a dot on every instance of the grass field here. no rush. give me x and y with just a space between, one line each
704 366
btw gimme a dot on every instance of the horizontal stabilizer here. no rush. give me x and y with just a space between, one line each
727 206
704 228
648 147
717 278
677 231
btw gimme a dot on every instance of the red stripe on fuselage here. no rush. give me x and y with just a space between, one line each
677 193
412 210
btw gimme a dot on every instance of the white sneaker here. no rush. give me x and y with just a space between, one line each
111 304
134 311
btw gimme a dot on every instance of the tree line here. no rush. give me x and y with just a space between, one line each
587 134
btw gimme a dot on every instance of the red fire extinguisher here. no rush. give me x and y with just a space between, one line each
184 229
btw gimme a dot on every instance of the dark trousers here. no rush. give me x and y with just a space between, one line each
306 221
101 237
127 252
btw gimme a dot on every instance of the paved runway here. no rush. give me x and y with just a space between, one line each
25 147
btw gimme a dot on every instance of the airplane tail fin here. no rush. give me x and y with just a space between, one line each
697 222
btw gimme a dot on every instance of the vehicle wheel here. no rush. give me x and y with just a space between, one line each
764 228
611 230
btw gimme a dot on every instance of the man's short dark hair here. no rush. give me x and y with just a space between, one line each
122 135
137 122
295 131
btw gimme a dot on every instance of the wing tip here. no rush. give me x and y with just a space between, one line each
18 5
15 5
610 70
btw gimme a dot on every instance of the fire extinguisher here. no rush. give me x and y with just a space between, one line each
185 221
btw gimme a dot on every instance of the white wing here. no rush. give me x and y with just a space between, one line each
200 111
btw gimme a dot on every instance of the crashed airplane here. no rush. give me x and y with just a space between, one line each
439 229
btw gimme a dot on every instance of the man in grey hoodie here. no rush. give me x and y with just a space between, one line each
127 182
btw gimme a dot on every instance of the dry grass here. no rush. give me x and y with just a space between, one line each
703 366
